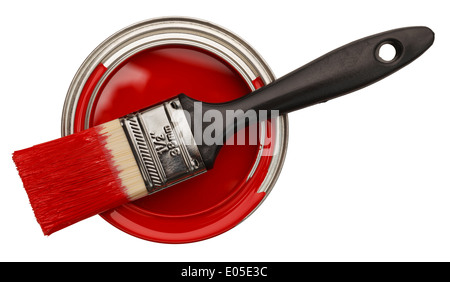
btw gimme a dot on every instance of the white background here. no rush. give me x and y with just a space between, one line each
366 176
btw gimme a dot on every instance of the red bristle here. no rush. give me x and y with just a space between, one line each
70 179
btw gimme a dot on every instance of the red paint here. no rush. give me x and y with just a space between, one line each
257 82
69 179
206 205
85 96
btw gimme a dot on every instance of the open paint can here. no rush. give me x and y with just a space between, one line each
152 61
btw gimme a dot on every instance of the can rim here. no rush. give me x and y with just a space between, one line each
101 51
255 67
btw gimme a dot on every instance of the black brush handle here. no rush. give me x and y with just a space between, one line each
346 69
339 72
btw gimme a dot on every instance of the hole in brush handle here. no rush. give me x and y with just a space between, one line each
389 51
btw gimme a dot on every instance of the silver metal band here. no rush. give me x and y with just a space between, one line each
163 145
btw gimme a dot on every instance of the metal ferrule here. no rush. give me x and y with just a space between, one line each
164 147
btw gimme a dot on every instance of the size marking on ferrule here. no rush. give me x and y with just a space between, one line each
164 147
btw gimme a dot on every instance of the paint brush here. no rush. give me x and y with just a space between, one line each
86 173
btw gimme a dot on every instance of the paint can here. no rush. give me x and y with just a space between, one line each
152 61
